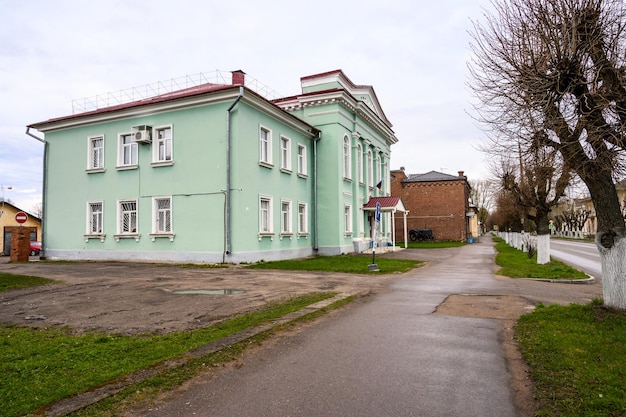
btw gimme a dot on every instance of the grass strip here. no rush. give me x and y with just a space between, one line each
43 365
516 264
433 245
353 264
576 356
13 281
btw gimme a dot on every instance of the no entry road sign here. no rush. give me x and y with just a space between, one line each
21 217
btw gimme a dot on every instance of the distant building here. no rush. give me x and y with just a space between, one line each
436 201
218 173
574 208
8 223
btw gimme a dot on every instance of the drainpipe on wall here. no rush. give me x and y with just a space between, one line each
43 187
228 180
315 221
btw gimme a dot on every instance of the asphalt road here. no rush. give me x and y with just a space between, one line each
581 255
390 356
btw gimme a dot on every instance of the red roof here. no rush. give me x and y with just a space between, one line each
186 92
385 203
321 74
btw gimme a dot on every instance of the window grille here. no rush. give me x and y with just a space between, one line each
163 215
95 218
97 153
128 215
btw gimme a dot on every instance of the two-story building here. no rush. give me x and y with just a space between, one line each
436 201
217 173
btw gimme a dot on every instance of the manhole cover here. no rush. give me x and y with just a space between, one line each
227 291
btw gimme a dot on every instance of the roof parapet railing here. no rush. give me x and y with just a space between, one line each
143 92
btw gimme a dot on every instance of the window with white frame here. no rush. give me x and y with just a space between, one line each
346 157
285 217
127 156
95 159
285 153
162 144
370 169
302 166
95 217
303 219
127 217
347 214
359 162
265 146
265 215
162 215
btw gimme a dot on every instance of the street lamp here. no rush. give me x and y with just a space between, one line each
2 187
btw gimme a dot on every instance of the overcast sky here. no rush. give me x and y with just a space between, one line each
414 54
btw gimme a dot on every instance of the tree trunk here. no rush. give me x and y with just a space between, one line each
543 249
543 236
614 273
610 239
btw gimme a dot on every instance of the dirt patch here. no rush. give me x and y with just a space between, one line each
134 298
507 308
503 307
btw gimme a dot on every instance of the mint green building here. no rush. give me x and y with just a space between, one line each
218 173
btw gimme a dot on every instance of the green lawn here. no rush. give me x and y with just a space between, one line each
516 264
42 365
354 264
12 281
576 356
433 244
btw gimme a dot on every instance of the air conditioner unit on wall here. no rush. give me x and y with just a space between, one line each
142 133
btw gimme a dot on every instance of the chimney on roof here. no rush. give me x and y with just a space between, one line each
401 168
239 77
461 174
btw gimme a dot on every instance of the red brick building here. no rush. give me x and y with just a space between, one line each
435 201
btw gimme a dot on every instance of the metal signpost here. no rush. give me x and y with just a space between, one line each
373 266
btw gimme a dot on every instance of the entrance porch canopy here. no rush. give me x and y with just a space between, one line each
390 205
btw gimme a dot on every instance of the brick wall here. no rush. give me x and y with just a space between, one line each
438 205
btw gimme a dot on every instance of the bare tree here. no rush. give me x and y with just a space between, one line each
37 210
541 183
550 74
482 193
574 218
507 215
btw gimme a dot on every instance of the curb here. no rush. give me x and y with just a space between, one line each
76 402
589 280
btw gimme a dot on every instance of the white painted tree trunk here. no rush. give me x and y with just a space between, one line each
614 274
543 249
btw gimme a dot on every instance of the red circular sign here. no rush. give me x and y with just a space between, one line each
21 217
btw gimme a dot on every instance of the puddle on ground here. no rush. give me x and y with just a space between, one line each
227 291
